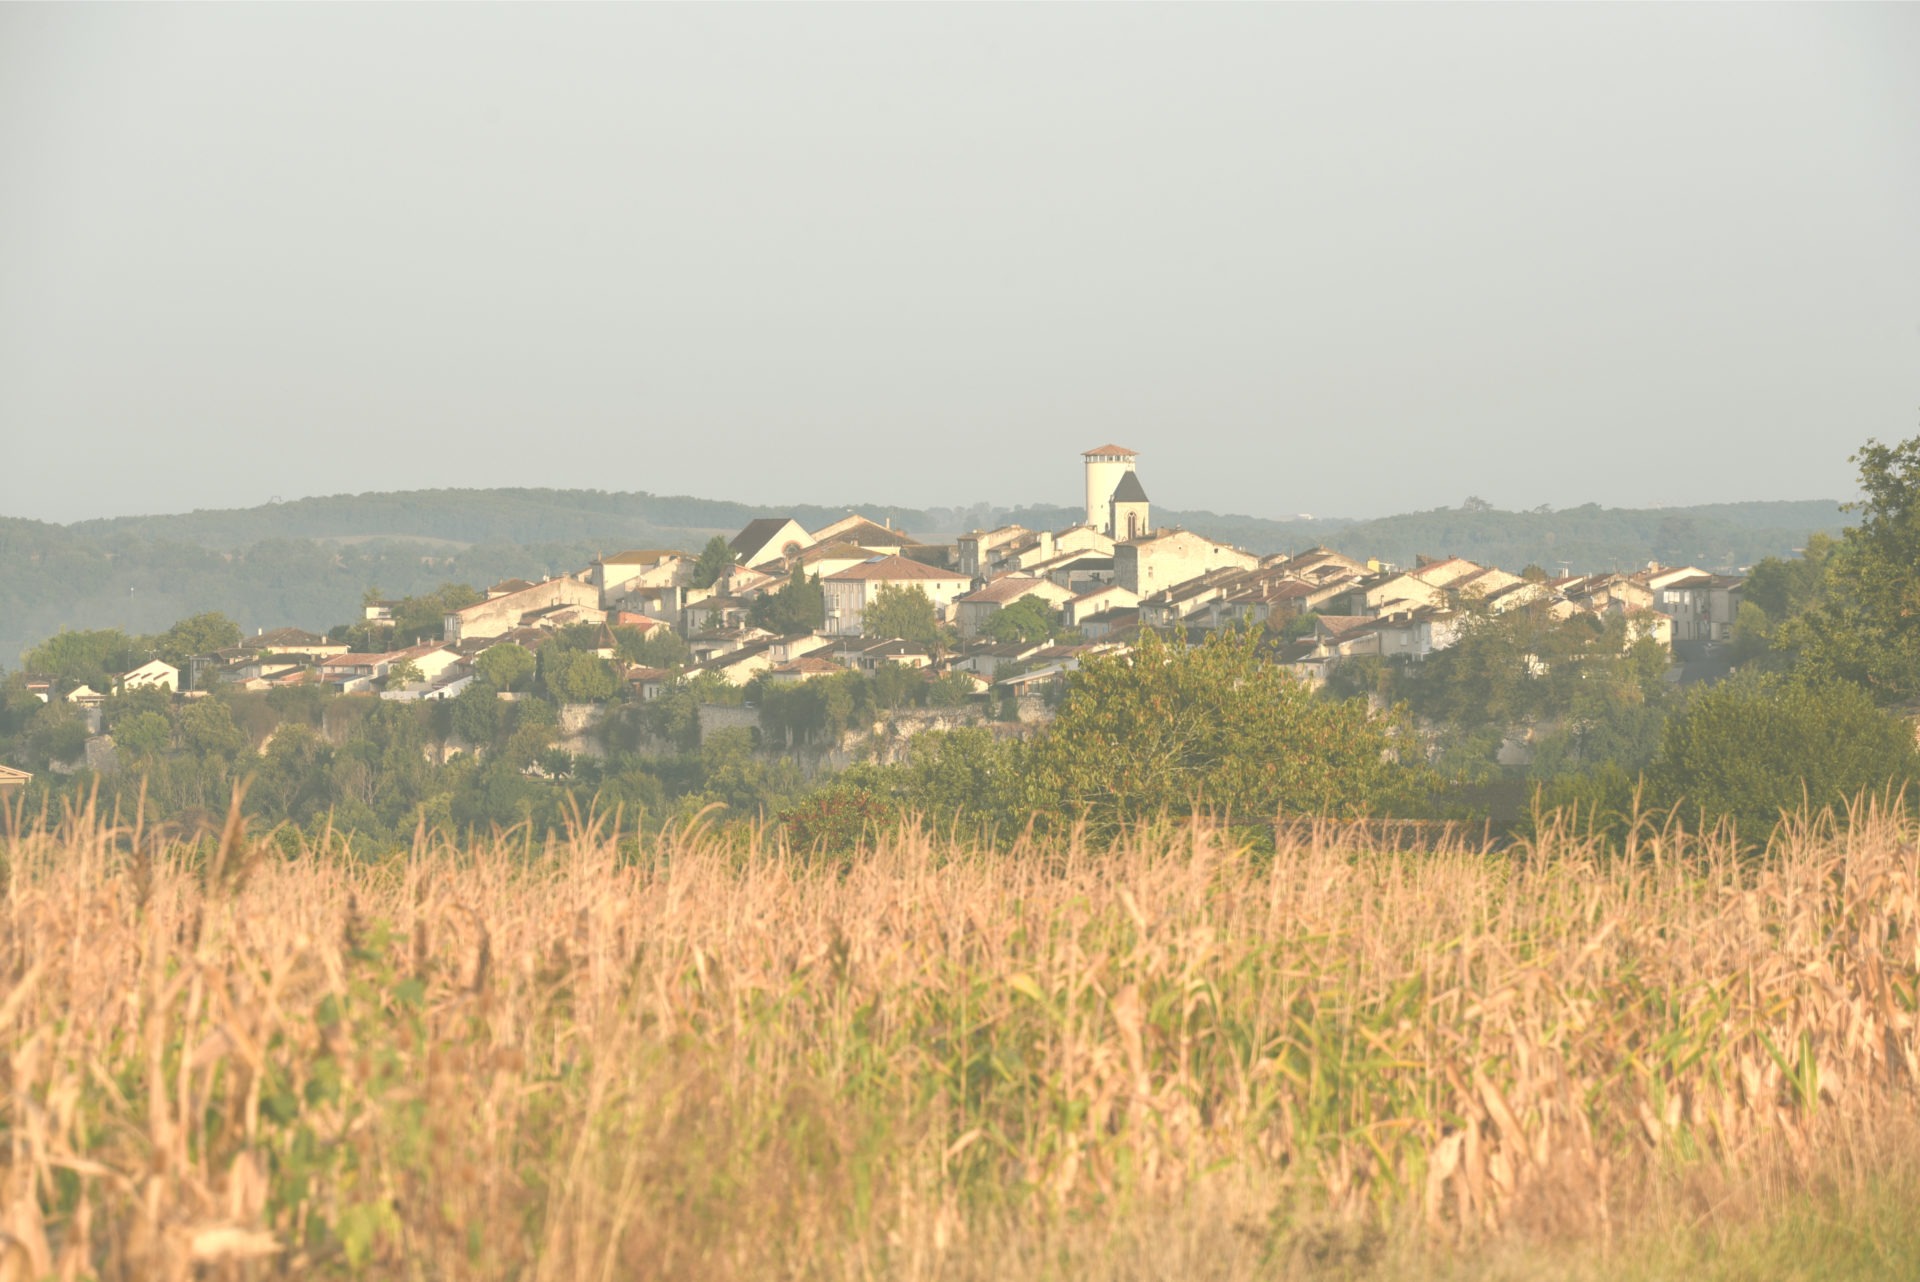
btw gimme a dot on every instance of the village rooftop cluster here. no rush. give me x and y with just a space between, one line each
1102 580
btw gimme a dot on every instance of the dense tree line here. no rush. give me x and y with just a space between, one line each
52 579
1591 538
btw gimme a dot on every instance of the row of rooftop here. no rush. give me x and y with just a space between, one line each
1104 578
1089 582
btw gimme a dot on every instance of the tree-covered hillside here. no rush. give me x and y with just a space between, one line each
53 578
1717 536
307 562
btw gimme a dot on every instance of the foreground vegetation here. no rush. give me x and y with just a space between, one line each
705 1057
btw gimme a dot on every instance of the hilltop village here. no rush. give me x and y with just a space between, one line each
1087 589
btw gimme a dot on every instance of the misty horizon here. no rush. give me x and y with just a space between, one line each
1341 260
876 509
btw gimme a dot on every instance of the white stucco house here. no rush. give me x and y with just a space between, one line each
849 592
156 674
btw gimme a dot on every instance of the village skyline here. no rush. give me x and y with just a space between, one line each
781 602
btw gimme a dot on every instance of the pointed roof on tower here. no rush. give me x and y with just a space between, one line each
1109 449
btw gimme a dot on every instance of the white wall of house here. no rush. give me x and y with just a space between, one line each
156 675
789 538
847 598
1098 601
1402 591
616 579
846 602
1147 566
503 613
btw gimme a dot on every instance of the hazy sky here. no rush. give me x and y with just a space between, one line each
1335 259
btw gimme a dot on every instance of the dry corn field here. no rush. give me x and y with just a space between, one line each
717 1061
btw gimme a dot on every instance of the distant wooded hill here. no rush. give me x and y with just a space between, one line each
307 562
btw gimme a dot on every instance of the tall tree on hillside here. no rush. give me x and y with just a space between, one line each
660 649
201 634
799 606
715 560
1866 627
1027 619
505 666
577 676
906 613
91 657
418 618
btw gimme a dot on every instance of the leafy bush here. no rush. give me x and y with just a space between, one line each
1757 747
836 820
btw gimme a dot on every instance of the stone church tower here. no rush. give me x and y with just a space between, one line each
1116 502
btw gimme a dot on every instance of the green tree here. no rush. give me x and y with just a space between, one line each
126 704
1027 619
505 666
58 732
1865 629
200 634
17 705
1758 746
1492 676
1175 727
1676 540
1769 631
948 690
969 779
1785 587
663 648
402 673
1754 638
905 613
576 676
1523 667
421 618
476 713
715 560
293 782
89 657
729 770
837 820
799 606
207 728
144 734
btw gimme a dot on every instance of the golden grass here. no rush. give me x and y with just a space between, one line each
1163 1060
